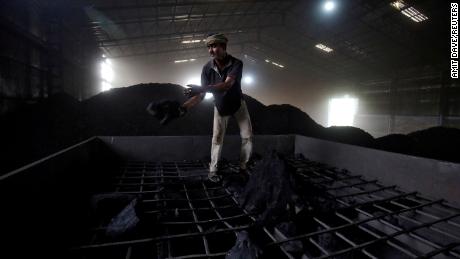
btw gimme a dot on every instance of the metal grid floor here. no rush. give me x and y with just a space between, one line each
194 218
374 221
191 217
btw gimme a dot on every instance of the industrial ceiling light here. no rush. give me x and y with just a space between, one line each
278 65
409 11
342 111
274 63
329 6
398 5
414 14
181 61
184 60
190 41
323 47
248 80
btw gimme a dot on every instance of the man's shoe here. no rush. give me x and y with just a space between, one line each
214 177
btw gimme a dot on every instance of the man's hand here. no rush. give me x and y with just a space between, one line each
193 90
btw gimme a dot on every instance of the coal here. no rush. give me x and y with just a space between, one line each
348 135
244 248
124 222
164 111
59 121
398 143
289 229
439 143
269 191
107 205
117 211
282 201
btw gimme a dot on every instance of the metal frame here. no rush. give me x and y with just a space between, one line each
357 40
187 209
367 220
403 224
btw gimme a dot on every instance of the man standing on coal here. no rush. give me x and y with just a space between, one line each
221 76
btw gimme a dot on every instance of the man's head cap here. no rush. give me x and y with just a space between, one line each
216 38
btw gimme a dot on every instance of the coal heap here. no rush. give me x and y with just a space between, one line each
59 121
437 142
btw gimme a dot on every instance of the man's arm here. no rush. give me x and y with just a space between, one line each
193 101
220 87
234 74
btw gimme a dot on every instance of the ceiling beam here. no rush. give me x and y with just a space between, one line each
184 18
182 4
178 50
175 35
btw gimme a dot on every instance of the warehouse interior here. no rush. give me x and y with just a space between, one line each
394 64
357 97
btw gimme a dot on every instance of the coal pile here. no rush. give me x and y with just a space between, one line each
59 121
437 142
277 194
398 143
348 135
281 202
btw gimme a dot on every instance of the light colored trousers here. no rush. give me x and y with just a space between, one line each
219 127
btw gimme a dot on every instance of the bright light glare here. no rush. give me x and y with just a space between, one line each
409 11
329 6
398 4
106 71
190 41
248 80
197 81
323 47
274 63
107 75
193 81
342 111
106 86
184 60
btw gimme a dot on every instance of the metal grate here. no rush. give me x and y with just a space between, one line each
192 218
374 221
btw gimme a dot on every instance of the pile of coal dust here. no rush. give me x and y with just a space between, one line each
59 121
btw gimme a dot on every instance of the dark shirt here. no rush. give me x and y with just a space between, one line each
226 102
